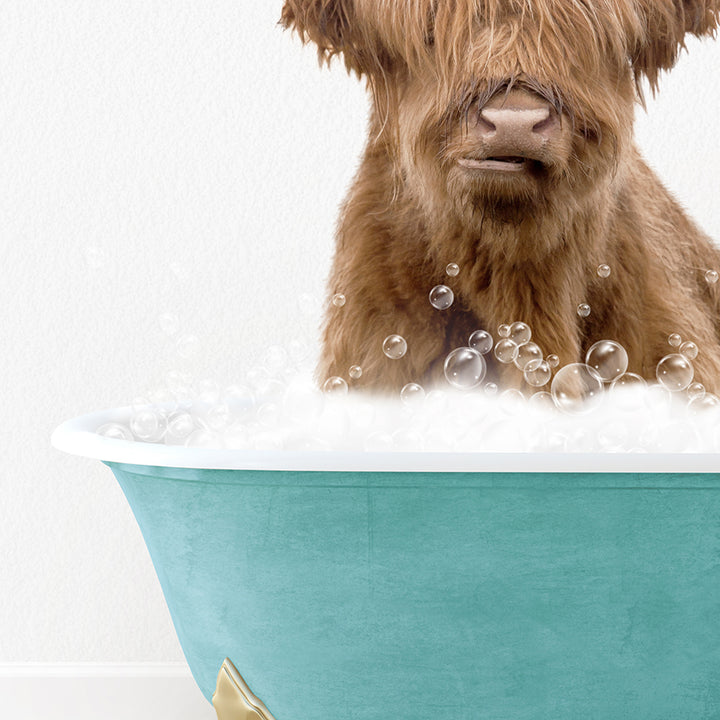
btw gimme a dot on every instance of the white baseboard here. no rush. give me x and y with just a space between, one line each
92 691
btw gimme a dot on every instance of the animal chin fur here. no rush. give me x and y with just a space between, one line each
528 243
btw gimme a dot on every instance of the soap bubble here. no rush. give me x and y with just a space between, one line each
147 425
208 391
711 277
689 350
335 386
608 358
542 401
695 390
169 323
481 341
506 351
628 382
674 340
504 331
537 373
675 372
491 389
703 403
395 346
577 389
217 418
441 297
511 401
412 394
355 372
657 398
526 354
553 361
603 271
268 414
520 333
453 269
338 300
464 368
179 427
240 400
583 310
115 431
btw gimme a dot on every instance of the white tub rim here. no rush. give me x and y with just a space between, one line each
78 437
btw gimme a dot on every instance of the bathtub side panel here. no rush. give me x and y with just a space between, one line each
362 598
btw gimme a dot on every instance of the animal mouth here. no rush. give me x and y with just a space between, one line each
502 163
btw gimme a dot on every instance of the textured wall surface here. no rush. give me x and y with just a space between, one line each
189 158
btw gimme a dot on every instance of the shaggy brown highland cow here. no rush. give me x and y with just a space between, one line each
501 140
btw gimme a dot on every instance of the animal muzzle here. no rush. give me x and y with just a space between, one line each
511 129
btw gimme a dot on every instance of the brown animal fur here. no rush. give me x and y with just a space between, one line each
528 249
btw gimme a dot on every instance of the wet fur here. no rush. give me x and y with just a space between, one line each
527 254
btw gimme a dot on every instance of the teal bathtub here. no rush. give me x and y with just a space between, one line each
414 587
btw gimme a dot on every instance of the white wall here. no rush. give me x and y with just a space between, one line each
171 156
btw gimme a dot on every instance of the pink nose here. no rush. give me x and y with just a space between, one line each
516 123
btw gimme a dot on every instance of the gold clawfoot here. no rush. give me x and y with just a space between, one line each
233 699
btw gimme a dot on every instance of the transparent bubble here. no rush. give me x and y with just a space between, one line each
339 300
441 297
115 431
608 358
268 414
675 372
604 271
512 401
355 372
464 368
526 354
453 269
208 391
169 323
657 398
506 351
537 373
491 389
577 389
188 345
703 403
395 346
520 333
583 310
711 277
412 394
674 340
218 418
504 331
147 425
298 350
481 341
553 361
179 427
695 390
626 389
689 350
335 386
542 401
240 400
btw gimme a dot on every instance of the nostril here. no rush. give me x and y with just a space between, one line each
484 124
546 123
